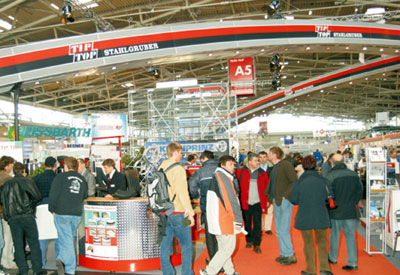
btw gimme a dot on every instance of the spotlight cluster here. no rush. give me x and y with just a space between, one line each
276 68
274 10
67 14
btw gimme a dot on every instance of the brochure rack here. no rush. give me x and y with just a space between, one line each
377 198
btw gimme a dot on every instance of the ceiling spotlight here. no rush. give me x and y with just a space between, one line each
67 14
237 52
210 54
308 48
365 48
347 48
264 50
37 83
396 51
335 87
310 12
351 82
381 49
113 68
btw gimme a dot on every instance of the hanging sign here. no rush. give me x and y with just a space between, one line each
241 76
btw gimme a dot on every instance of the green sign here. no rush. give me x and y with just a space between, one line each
40 131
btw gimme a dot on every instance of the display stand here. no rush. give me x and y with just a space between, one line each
376 201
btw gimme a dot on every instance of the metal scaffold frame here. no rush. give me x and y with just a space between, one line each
190 113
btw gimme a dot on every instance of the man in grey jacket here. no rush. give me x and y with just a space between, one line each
347 191
201 180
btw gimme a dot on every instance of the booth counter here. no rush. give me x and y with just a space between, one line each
120 237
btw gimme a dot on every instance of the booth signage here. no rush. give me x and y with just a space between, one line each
39 131
101 240
241 76
219 147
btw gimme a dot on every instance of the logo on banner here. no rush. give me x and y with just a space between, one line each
324 31
241 76
83 51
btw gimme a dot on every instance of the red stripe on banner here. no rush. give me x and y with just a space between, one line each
61 51
33 56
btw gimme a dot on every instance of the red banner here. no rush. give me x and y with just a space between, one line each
241 76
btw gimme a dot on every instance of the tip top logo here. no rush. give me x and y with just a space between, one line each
322 31
83 51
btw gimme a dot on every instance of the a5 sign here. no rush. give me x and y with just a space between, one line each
242 76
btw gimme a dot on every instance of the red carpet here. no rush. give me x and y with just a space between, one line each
247 262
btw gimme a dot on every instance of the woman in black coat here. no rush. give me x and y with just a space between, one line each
310 193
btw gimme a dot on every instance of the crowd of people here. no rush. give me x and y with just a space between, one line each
234 199
64 192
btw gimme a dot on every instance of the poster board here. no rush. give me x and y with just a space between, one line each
12 149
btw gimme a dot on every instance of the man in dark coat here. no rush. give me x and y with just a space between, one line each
278 191
19 197
310 193
347 191
201 180
114 179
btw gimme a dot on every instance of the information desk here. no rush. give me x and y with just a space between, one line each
119 237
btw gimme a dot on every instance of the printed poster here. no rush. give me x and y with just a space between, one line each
101 232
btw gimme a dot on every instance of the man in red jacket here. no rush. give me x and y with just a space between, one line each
253 182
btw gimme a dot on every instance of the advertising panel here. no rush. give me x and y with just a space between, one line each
108 125
101 241
12 149
219 147
241 76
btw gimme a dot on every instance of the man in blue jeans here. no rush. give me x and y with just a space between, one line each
175 222
282 178
67 193
347 191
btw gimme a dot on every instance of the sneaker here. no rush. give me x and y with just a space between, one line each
349 267
257 249
268 232
60 267
204 272
325 272
289 260
280 258
306 273
249 245
332 262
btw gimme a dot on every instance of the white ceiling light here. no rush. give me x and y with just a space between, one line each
308 48
309 12
381 49
5 25
54 6
176 83
11 17
365 48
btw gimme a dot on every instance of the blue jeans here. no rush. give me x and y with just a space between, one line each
43 246
283 218
176 228
349 230
66 230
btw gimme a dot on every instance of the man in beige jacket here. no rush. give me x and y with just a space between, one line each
175 223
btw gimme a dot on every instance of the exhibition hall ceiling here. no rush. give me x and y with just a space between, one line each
106 89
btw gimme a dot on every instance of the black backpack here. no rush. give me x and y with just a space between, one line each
157 192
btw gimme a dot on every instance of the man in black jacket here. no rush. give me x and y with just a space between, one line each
67 193
347 191
114 179
19 197
201 180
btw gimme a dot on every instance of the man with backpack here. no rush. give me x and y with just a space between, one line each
175 222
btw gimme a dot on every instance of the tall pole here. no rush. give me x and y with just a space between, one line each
15 90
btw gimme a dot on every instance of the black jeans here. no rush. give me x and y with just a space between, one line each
252 223
211 241
25 227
